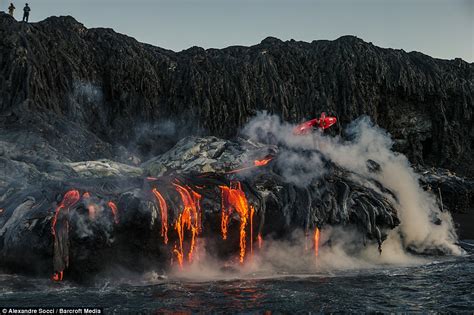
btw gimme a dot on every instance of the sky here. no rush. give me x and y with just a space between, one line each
439 28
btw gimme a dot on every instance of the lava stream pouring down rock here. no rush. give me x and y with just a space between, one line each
209 212
188 220
233 198
164 214
69 200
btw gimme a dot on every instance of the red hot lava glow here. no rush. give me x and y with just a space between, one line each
316 242
164 214
256 163
262 162
233 198
188 223
69 200
114 209
189 219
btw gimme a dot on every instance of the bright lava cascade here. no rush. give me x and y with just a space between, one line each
233 198
189 219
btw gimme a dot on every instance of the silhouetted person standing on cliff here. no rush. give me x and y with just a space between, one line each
26 13
11 9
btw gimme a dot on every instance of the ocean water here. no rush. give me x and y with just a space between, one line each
445 284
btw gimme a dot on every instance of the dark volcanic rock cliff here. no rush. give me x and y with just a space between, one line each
76 103
78 93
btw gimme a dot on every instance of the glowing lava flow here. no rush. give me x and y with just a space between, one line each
234 198
252 212
316 242
114 209
69 199
58 276
164 214
256 163
260 241
225 215
262 162
189 218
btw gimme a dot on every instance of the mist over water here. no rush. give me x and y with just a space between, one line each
444 284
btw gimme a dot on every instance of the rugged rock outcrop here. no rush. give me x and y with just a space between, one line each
85 92
81 109
455 193
95 219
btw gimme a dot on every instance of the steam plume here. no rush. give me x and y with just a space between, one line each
424 227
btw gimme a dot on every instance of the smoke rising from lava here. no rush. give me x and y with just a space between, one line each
423 225
423 228
314 172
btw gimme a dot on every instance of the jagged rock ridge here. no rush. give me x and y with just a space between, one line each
78 94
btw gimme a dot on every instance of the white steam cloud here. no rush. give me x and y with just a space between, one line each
423 228
423 225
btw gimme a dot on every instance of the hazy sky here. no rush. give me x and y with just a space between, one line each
440 28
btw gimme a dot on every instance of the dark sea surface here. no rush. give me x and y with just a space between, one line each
444 284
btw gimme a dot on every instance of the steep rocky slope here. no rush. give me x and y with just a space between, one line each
78 94
93 126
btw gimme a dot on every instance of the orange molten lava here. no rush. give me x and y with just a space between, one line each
260 241
224 215
234 198
58 276
316 242
179 255
164 214
69 199
256 163
114 209
262 162
252 212
189 219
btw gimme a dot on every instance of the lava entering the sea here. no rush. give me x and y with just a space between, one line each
69 200
316 242
189 219
233 198
164 214
114 209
